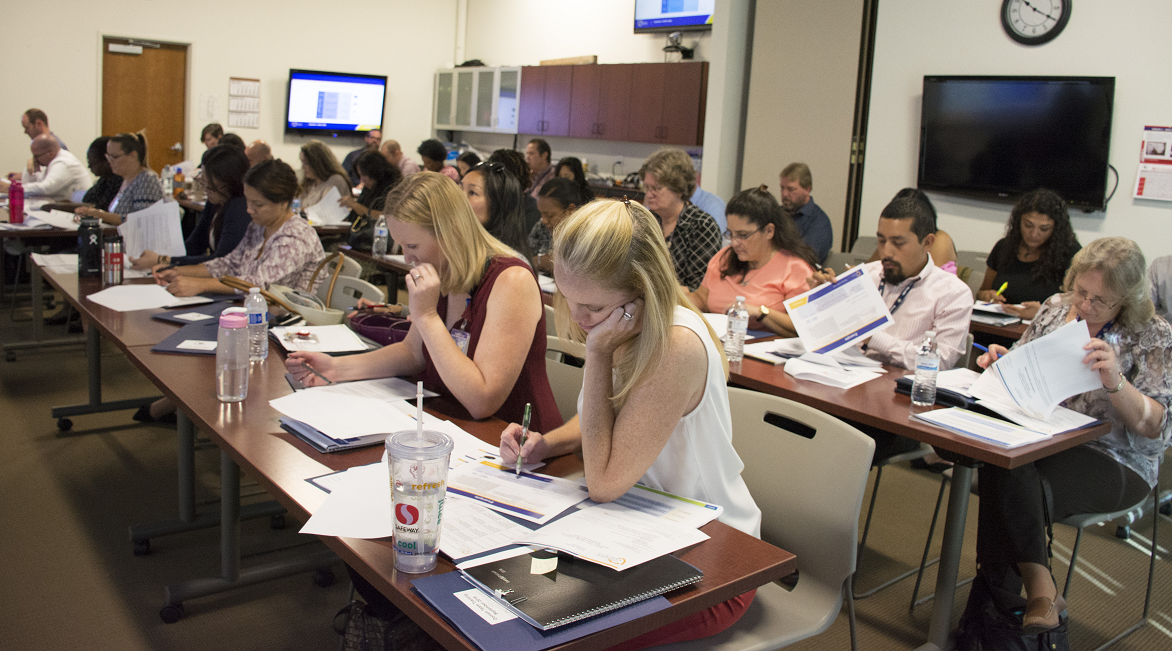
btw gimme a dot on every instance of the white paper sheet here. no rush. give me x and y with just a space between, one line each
327 212
55 218
719 323
62 263
387 389
157 227
469 528
343 416
359 505
1039 375
127 298
1060 420
958 380
843 378
530 496
324 339
979 426
829 318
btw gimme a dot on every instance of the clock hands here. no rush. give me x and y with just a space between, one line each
1039 11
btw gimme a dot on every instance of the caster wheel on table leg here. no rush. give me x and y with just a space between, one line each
142 547
10 356
171 613
277 521
64 424
323 578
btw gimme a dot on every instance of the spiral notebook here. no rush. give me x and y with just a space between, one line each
550 589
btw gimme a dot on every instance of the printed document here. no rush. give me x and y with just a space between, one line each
157 227
831 317
127 298
343 416
529 496
56 218
1039 375
322 339
327 212
979 426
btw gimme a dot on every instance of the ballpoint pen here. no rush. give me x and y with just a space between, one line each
314 371
524 435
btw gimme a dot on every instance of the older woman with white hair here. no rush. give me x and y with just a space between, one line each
1131 351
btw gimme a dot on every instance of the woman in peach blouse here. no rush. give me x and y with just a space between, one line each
766 263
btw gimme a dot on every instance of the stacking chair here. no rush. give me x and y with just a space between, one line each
807 472
565 379
1082 521
347 291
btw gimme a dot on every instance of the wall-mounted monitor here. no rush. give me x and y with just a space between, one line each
334 103
1000 137
673 15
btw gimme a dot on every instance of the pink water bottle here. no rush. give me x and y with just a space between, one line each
16 203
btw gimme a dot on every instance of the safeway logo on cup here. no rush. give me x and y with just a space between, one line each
406 514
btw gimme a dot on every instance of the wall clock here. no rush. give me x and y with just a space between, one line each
1034 22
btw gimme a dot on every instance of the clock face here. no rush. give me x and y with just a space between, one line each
1033 22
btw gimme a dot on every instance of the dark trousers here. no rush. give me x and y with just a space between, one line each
1011 527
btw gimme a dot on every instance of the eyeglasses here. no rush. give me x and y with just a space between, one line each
729 235
652 189
1097 303
110 156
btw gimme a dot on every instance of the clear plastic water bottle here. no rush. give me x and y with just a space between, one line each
258 325
382 236
232 358
738 327
168 178
296 207
927 367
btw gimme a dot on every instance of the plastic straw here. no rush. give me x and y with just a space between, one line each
419 411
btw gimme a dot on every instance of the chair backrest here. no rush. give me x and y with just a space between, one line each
865 246
976 261
565 379
550 328
350 267
347 291
966 355
807 472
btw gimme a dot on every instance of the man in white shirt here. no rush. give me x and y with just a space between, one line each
57 174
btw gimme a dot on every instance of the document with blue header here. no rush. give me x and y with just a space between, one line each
831 317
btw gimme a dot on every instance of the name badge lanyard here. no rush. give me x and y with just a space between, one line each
459 332
902 295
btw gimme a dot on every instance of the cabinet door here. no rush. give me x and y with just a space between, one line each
646 108
684 95
558 82
531 111
485 93
506 100
584 101
464 98
443 99
614 101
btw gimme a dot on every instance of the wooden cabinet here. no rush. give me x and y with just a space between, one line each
545 100
667 103
600 101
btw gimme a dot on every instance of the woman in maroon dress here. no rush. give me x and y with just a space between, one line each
465 284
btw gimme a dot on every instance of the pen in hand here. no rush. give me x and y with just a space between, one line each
1002 289
524 435
368 307
315 372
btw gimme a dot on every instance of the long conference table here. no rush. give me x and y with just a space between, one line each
250 438
876 403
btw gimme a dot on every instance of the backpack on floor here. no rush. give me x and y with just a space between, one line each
992 622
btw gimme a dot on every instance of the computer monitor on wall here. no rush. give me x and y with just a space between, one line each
673 15
334 103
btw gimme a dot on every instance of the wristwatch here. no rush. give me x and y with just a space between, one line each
1118 387
764 313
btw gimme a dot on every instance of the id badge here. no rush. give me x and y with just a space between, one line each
461 338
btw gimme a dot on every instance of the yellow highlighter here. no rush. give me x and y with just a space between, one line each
1003 286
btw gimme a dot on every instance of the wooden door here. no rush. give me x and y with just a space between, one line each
147 92
531 105
646 113
558 89
683 103
584 99
614 103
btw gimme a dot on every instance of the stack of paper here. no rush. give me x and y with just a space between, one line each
328 212
126 298
61 263
156 228
979 426
993 314
54 218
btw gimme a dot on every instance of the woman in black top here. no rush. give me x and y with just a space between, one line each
571 168
224 219
1031 260
497 200
102 192
378 177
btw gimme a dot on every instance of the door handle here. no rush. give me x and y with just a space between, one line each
177 147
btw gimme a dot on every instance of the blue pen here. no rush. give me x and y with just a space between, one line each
980 347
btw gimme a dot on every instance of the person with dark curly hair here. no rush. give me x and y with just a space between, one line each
1033 257
434 155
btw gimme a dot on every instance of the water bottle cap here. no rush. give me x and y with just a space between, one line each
233 320
254 290
741 298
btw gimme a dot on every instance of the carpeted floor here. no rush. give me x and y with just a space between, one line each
69 579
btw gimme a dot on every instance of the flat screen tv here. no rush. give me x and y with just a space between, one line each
673 15
334 103
1000 137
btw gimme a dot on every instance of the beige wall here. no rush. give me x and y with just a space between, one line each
1133 46
52 60
801 96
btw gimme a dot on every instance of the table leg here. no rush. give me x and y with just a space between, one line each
93 352
950 551
39 340
231 575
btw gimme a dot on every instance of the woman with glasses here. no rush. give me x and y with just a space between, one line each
556 200
141 187
1032 258
1130 351
691 234
767 263
497 200
224 219
654 403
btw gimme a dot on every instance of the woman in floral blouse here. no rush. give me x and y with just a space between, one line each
278 247
1131 352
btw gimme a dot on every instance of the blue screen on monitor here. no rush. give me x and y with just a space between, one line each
334 101
673 15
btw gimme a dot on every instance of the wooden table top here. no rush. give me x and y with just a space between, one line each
732 562
876 403
135 328
1014 331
